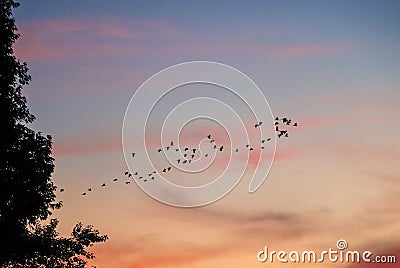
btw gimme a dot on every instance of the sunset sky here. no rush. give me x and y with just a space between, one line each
332 66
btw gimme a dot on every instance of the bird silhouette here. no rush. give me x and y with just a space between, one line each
262 141
184 161
190 161
276 118
259 123
140 178
194 150
276 123
61 190
295 124
209 136
126 173
136 173
276 128
192 156
206 155
129 175
89 190
184 155
169 168
177 149
133 154
237 150
268 139
221 148
83 193
103 185
186 148
127 182
247 145
215 147
159 150
262 147
167 148
115 179
172 143
178 161
164 170
251 149
152 178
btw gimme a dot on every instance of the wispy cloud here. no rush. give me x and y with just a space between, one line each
96 39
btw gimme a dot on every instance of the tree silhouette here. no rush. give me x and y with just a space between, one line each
27 193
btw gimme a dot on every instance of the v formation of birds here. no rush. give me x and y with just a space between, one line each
188 154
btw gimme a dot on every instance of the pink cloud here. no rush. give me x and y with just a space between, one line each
308 49
95 39
84 146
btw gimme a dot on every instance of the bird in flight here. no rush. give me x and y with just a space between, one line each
61 190
191 152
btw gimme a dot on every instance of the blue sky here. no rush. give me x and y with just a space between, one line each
331 65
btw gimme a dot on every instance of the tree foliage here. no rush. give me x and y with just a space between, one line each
27 193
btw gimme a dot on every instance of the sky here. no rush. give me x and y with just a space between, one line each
331 66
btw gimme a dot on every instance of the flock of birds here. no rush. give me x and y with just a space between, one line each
188 154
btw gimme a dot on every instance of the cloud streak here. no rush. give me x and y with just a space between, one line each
93 39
